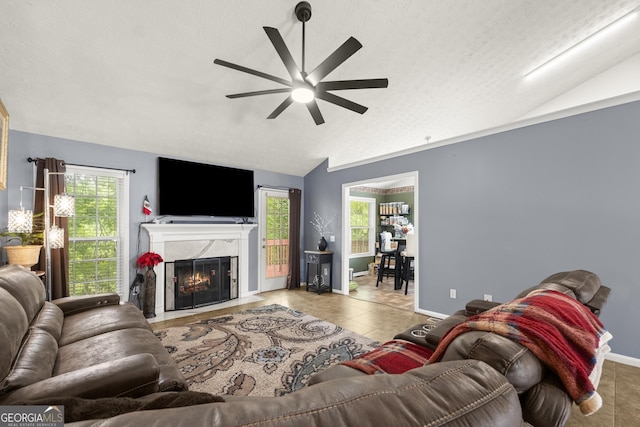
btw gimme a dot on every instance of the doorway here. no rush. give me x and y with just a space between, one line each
274 239
383 184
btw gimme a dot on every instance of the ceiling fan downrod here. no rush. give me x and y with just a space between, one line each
303 13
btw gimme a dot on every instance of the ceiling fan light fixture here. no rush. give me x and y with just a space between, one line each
303 94
305 87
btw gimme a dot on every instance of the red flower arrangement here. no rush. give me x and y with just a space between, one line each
149 259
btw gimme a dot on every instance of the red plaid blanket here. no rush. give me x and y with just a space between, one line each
392 357
559 330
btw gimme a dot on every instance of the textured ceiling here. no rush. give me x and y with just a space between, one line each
140 74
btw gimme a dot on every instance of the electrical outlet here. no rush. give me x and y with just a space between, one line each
326 271
452 293
488 297
332 238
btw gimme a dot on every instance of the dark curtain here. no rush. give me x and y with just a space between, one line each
59 257
293 279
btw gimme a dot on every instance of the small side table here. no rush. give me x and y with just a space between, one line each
321 263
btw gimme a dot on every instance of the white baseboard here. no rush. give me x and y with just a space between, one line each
432 313
621 358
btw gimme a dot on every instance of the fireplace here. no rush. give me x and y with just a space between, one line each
175 242
199 282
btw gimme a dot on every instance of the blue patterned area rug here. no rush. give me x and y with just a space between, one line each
265 351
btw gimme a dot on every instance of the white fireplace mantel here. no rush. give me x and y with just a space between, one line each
186 241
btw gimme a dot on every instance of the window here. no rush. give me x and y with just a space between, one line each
362 225
98 233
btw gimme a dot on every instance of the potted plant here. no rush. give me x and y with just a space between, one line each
27 253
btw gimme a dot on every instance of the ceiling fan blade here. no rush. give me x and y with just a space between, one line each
332 62
258 92
315 112
252 72
353 84
283 52
334 99
280 108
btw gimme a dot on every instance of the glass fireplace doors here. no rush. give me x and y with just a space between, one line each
198 282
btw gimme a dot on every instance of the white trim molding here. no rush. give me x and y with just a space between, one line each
625 360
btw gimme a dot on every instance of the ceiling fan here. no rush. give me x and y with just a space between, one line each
307 87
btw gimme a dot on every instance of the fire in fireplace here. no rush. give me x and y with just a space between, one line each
199 282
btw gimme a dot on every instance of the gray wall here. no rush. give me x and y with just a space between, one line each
144 182
502 212
497 214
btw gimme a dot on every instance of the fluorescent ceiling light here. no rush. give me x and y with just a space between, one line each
583 45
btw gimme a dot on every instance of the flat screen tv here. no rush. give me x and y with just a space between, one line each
190 189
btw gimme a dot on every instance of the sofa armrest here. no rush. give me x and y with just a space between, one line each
478 306
443 327
547 403
131 376
72 305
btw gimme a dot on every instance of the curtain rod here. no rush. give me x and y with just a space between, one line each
32 160
273 187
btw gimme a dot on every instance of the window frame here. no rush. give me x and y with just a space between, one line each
123 208
372 226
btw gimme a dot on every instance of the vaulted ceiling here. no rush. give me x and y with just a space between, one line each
140 74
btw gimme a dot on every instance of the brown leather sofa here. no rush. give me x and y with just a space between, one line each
544 400
89 347
480 382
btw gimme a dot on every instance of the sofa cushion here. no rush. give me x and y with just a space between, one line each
114 345
13 327
25 287
599 299
50 319
518 364
86 324
34 362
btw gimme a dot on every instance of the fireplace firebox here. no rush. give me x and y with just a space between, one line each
198 282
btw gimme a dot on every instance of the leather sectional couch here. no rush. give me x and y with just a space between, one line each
88 347
482 380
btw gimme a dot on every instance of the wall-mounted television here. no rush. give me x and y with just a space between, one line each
189 189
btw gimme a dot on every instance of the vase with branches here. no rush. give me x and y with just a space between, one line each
321 225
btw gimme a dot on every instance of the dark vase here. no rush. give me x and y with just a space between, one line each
322 244
149 303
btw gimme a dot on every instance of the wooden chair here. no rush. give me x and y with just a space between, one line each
387 254
408 258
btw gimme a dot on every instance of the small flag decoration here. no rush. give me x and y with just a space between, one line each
146 206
